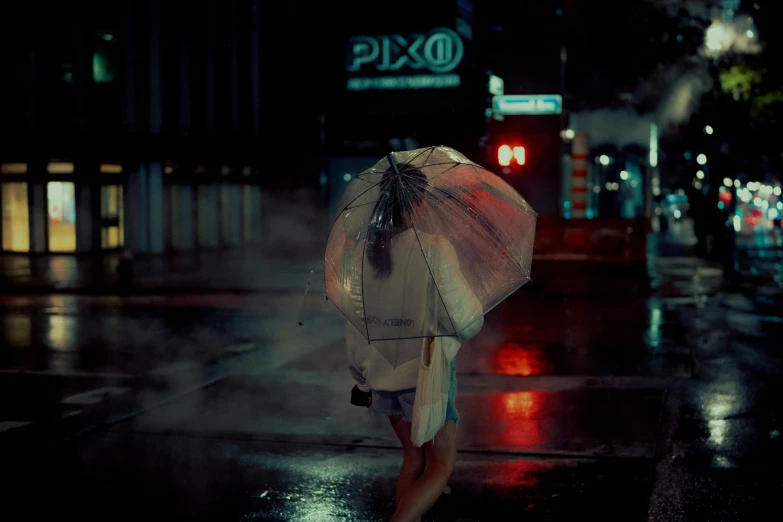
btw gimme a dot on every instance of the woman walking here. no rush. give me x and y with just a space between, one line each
404 264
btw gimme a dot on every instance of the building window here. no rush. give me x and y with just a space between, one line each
59 167
16 221
62 216
13 168
111 168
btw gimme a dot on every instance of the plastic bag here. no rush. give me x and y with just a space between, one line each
432 393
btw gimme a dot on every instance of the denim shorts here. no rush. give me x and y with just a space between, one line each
396 403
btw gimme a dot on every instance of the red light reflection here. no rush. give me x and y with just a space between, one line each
518 414
517 359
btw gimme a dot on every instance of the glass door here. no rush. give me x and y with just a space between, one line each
61 198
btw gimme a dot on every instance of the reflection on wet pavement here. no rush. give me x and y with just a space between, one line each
516 410
571 407
297 483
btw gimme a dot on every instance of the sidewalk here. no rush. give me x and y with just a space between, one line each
252 271
229 271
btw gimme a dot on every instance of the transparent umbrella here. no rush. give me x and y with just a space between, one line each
425 243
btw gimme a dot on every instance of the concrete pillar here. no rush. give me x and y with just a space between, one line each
129 113
136 211
580 154
235 27
31 114
211 67
255 76
168 226
85 220
81 67
184 70
182 233
154 60
155 217
208 216
231 203
39 215
251 214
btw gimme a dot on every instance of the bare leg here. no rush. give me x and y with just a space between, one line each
412 460
440 455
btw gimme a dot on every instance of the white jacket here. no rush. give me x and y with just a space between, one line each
408 289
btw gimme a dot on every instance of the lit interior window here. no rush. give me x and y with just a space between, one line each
16 223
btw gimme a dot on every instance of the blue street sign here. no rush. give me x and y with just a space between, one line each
527 104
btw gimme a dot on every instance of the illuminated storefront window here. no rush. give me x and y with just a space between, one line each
62 216
16 223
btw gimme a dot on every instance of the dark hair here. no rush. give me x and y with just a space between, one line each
399 191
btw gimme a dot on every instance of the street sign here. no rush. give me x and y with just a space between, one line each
496 84
527 104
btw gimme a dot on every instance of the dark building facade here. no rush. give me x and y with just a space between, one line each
157 126
138 125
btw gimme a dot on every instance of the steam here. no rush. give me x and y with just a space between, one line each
676 90
294 224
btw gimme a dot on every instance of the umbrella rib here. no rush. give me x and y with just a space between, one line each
526 210
405 171
442 163
432 276
417 337
346 208
364 305
419 154
361 205
445 171
467 206
429 155
331 228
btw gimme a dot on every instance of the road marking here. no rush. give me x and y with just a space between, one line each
9 425
94 396
68 373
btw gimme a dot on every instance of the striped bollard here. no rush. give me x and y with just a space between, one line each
579 158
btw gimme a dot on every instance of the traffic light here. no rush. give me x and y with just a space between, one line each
507 153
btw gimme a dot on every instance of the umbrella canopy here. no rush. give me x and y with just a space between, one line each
424 243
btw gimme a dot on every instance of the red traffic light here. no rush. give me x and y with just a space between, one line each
507 153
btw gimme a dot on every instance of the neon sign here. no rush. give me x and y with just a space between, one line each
438 52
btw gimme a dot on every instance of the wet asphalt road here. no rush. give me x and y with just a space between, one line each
217 407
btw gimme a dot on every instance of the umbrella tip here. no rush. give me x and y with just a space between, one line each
393 163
